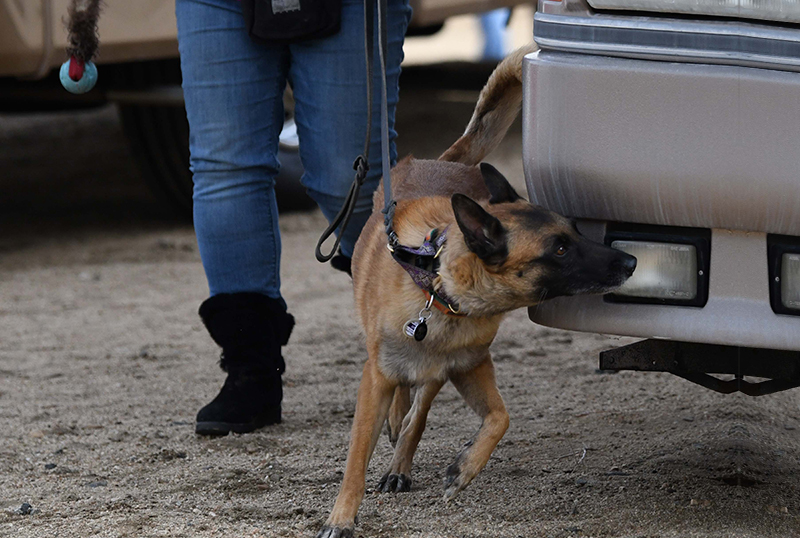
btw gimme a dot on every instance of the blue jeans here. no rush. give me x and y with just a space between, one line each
234 102
493 24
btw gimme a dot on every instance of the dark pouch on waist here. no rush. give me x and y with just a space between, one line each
283 21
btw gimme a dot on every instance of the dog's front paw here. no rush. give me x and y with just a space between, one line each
335 532
394 483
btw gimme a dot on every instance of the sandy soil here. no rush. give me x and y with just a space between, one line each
104 362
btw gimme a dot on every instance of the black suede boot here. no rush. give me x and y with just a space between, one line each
250 328
342 263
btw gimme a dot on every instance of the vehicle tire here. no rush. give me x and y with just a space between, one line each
159 138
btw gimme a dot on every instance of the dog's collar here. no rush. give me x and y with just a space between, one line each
422 265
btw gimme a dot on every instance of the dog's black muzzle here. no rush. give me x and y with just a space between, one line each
591 268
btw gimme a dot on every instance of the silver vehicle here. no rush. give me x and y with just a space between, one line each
671 130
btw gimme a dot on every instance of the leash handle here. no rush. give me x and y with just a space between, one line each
343 217
361 164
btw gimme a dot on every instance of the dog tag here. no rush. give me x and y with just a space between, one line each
416 329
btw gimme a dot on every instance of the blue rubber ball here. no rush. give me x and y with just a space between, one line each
86 83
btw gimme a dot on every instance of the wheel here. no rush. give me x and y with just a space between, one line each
159 138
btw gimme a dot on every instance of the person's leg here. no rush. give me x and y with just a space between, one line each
493 23
328 77
234 103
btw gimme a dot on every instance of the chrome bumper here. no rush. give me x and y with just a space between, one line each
708 146
705 146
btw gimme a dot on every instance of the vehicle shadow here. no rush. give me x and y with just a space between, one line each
70 172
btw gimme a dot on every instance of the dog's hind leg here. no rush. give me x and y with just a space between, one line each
374 398
400 407
398 478
479 389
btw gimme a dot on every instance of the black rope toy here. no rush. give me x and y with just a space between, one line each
79 74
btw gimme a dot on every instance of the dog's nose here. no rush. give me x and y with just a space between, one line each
628 264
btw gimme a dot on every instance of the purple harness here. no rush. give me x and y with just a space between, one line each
422 265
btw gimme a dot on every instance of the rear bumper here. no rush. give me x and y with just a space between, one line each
611 139
738 311
707 146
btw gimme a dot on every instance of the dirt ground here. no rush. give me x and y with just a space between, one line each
104 363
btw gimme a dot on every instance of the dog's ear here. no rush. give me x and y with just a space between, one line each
499 187
483 233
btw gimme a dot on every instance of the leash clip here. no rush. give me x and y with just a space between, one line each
393 240
426 312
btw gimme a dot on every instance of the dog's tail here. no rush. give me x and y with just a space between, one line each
497 108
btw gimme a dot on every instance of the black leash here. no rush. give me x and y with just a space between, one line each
361 164
388 203
419 262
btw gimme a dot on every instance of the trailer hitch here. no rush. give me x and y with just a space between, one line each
780 370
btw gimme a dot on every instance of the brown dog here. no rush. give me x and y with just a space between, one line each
500 253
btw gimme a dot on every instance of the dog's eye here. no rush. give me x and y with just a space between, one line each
561 250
